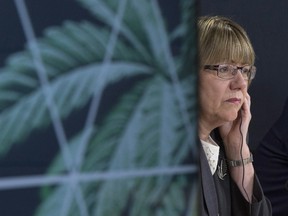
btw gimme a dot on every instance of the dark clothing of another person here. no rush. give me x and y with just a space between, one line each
271 164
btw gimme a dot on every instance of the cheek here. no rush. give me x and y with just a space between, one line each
211 91
209 101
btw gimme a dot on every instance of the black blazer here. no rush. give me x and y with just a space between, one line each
224 198
271 164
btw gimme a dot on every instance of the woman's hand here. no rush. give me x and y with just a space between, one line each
234 134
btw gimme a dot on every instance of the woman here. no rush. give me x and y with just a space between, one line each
229 184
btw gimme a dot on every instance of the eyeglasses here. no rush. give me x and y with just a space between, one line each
226 71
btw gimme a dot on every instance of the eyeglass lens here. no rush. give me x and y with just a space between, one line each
229 71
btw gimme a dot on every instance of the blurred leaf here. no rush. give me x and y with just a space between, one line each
145 129
70 91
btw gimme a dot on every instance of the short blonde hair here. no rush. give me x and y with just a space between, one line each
223 40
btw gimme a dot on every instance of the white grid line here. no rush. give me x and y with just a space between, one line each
67 201
37 60
92 113
174 77
45 86
36 181
74 178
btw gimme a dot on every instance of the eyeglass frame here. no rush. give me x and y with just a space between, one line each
252 70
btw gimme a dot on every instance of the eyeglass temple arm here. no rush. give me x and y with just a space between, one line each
211 67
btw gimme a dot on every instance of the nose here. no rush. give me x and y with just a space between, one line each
239 82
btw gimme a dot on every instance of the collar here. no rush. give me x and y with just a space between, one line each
211 150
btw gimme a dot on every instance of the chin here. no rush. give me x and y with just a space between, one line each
231 116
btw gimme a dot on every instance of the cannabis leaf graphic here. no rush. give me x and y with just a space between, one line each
114 162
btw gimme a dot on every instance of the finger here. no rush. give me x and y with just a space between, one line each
246 102
248 99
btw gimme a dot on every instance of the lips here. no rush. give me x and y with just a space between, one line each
234 100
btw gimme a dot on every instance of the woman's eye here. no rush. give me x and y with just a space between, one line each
245 70
224 69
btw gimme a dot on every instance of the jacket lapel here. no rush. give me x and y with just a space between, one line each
208 187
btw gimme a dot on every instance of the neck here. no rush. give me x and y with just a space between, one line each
204 131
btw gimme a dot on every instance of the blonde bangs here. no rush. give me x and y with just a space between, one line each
224 44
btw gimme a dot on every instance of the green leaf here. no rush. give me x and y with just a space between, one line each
18 121
145 128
